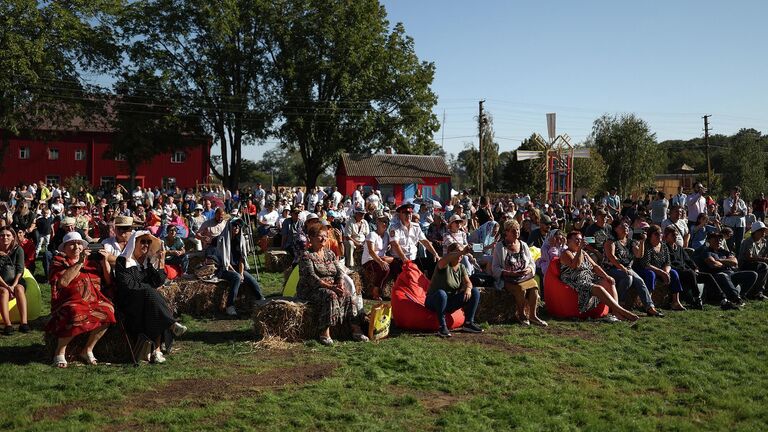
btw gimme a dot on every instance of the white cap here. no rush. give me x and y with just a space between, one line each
757 226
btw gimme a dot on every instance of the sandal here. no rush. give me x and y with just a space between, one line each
59 362
325 341
88 358
539 322
359 337
678 308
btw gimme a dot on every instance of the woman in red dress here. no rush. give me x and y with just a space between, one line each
77 304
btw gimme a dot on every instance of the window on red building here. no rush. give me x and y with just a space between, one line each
79 154
108 181
120 157
53 179
53 154
179 156
23 152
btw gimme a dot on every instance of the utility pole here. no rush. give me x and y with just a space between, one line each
706 144
442 127
480 118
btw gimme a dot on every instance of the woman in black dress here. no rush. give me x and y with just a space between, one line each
139 271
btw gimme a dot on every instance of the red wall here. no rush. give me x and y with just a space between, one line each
96 165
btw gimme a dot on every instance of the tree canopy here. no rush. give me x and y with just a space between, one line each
629 149
347 83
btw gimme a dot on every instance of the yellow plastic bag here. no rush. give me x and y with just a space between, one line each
379 320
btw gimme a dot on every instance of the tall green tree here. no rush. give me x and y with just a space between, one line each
45 47
589 173
527 176
215 55
745 164
348 83
145 129
629 149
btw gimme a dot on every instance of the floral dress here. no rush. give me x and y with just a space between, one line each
323 266
581 280
79 307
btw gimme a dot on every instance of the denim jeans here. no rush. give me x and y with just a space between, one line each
649 277
234 279
735 283
443 303
625 282
762 275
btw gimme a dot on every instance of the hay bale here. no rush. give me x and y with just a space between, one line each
204 271
357 280
196 258
292 320
111 348
661 296
202 299
496 307
386 290
276 261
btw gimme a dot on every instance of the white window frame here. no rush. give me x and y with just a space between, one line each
179 156
120 157
110 180
24 152
53 179
80 154
53 153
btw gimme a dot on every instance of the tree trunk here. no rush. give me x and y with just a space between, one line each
5 144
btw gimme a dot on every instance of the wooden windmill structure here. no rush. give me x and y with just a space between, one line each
558 155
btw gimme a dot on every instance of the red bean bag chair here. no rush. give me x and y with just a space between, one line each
172 271
408 295
562 301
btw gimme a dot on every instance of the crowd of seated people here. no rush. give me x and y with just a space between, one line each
608 251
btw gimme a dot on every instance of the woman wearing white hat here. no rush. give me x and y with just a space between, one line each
78 304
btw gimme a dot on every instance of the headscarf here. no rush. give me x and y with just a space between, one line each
224 245
131 245
484 234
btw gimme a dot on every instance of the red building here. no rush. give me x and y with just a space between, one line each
398 175
64 154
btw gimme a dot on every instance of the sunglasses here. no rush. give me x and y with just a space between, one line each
145 241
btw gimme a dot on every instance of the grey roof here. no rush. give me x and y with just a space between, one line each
395 165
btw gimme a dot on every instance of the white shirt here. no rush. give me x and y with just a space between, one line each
696 205
357 231
268 218
734 221
111 246
681 229
337 197
378 246
357 198
407 238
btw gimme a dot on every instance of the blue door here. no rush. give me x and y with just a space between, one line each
426 192
409 191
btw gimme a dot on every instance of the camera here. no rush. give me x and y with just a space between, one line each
93 251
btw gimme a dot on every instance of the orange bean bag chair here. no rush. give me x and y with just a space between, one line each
563 301
172 271
408 295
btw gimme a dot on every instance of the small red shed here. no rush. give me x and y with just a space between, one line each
397 175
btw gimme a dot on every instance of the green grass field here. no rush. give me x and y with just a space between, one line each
690 371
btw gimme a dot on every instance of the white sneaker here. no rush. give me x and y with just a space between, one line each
157 357
231 311
178 329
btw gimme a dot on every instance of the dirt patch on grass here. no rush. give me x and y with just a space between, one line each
488 341
199 392
430 401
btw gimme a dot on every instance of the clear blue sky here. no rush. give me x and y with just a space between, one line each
670 62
